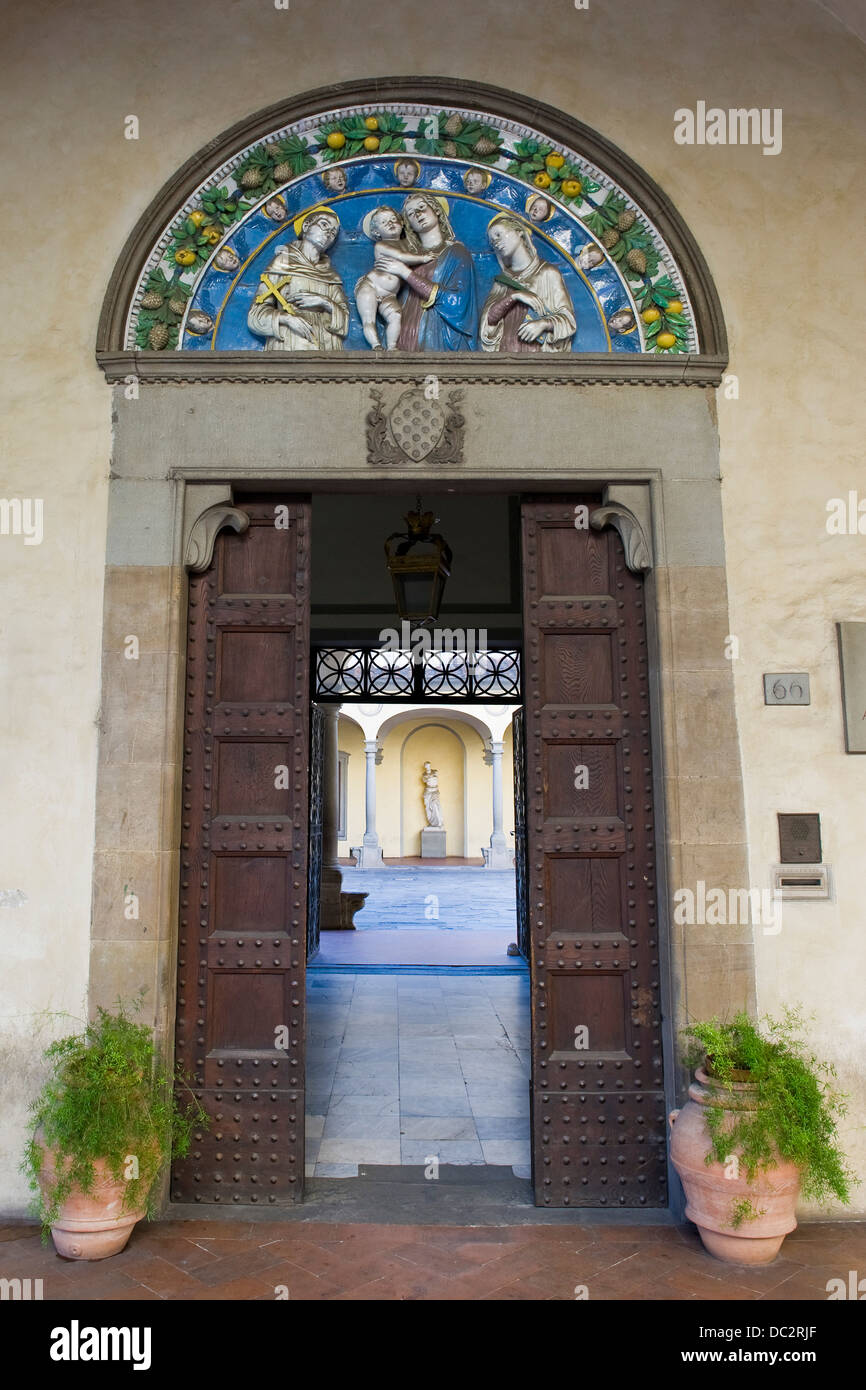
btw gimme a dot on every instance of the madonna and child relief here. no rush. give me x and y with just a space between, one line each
420 291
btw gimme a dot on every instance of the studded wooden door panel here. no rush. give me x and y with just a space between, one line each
242 938
314 851
598 1103
523 937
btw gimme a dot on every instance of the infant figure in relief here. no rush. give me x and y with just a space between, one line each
376 292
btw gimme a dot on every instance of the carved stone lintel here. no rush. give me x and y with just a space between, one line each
205 529
627 509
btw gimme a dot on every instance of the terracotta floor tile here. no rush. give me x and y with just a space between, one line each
809 1283
365 1261
301 1283
478 1283
397 1287
235 1291
135 1295
433 1259
182 1254
96 1281
337 1232
609 1289
242 1265
518 1290
214 1229
163 1278
706 1286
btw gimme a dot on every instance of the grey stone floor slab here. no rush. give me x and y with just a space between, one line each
446 1151
404 1068
502 1126
506 1151
364 1105
425 1103
439 1128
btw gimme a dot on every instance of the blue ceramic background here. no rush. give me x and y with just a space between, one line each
371 183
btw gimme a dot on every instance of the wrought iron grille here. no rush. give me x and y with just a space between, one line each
363 673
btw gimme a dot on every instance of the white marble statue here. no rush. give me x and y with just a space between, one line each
432 804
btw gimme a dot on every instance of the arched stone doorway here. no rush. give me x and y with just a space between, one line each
176 488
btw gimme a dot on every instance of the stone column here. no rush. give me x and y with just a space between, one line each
370 853
499 854
332 878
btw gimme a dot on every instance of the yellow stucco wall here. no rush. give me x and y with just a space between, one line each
465 781
777 234
351 741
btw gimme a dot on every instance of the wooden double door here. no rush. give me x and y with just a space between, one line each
587 882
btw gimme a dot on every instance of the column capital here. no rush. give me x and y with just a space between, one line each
373 748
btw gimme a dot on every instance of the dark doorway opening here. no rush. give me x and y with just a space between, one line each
418 1018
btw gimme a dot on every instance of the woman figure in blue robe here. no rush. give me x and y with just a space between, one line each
438 300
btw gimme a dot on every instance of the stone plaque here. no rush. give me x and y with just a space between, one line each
852 667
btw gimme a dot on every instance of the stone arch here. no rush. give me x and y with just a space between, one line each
704 350
481 727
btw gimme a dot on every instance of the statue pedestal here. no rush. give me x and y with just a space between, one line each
432 843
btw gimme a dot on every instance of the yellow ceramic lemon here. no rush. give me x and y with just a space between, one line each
554 161
336 140
371 123
675 306
371 143
651 315
196 218
666 340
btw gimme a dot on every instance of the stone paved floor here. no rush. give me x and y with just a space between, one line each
465 899
402 1068
202 1260
418 914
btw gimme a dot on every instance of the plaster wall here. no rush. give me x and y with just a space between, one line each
789 441
351 740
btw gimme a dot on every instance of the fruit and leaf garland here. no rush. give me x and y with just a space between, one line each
629 244
268 167
666 327
192 241
378 134
461 138
163 306
546 169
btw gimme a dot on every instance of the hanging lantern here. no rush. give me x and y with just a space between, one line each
420 565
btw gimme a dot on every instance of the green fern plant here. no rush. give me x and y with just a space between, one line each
107 1097
796 1108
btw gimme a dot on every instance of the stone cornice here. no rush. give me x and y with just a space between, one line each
579 369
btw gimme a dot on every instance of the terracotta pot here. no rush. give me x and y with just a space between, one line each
90 1226
710 1194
